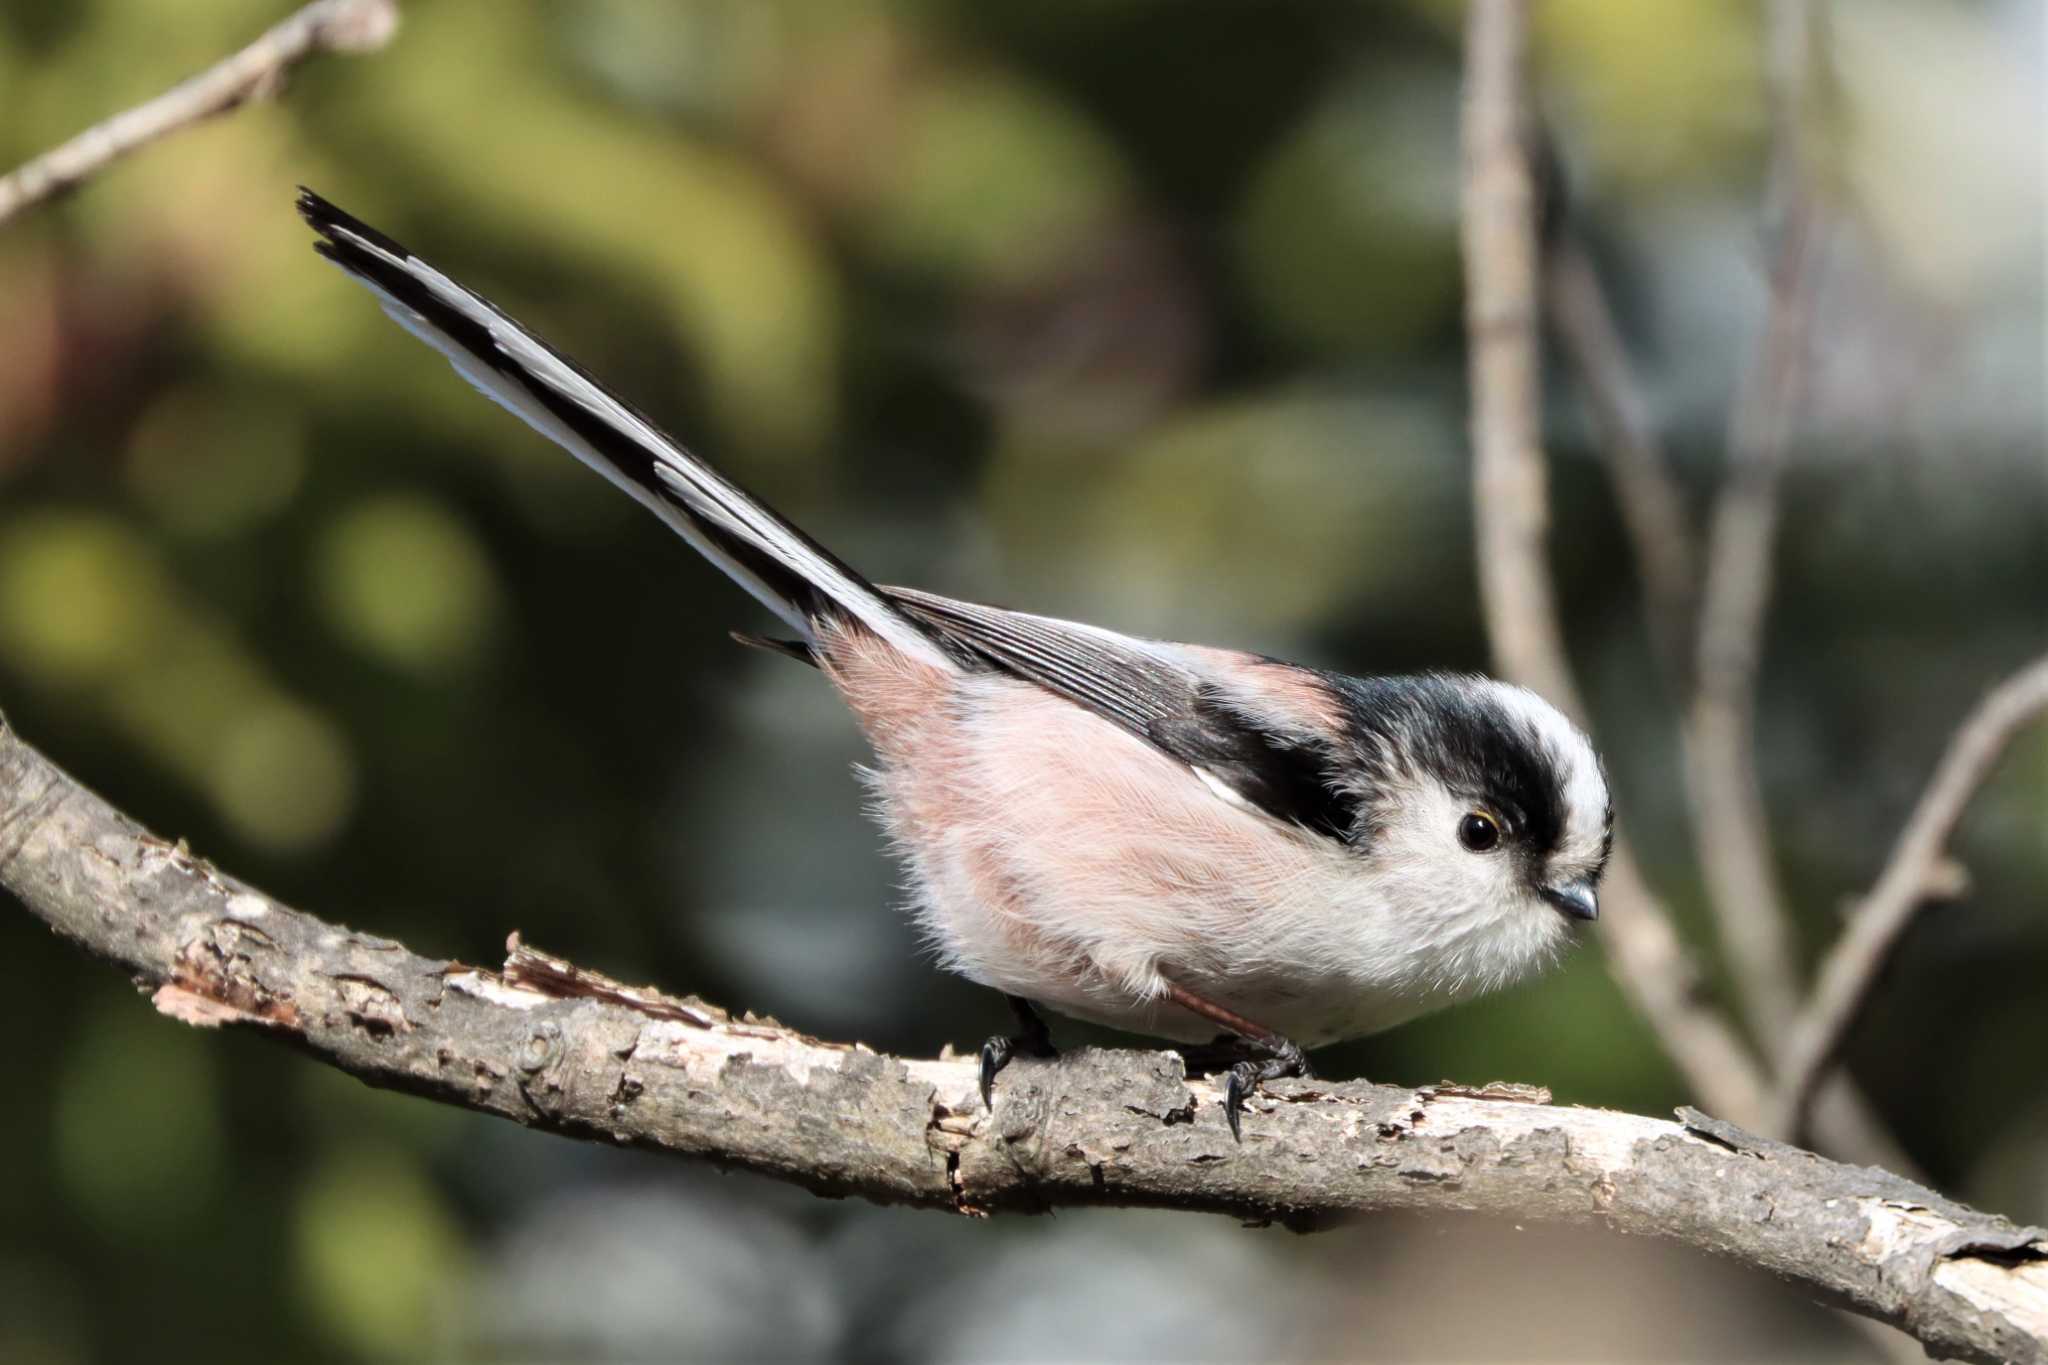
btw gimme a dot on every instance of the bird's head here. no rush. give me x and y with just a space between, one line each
1485 799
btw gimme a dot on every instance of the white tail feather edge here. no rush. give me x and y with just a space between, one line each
701 493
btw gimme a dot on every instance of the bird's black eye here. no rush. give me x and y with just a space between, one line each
1479 832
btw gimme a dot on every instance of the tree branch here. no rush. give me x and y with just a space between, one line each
1652 508
1499 232
1511 513
256 72
566 1051
1730 821
1915 873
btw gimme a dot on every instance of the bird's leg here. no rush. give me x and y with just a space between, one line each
1282 1057
1031 1039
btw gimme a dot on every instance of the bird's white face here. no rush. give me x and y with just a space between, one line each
1489 825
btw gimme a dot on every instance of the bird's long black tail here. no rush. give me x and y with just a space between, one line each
794 576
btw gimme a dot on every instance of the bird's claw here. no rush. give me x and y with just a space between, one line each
995 1055
1033 1041
1246 1076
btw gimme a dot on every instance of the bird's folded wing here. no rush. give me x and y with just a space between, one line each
1179 701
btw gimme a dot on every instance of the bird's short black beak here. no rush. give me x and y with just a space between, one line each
1576 899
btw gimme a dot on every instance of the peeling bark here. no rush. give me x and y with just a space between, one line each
558 1048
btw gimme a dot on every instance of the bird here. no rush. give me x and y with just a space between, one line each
1204 845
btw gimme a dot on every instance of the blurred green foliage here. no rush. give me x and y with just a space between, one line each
1138 312
138 1129
374 1247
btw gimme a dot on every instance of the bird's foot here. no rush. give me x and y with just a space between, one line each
1272 1056
1031 1039
1283 1059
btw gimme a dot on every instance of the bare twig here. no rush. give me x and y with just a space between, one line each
1788 63
1720 730
1511 511
1652 508
1500 323
567 1051
1730 820
256 72
1915 873
1721 743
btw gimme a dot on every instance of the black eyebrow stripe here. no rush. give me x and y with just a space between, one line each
1449 727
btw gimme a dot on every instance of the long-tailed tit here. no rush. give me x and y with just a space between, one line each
1169 839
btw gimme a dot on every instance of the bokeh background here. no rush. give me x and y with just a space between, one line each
1139 312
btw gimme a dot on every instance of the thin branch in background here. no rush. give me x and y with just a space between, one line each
1731 823
566 1051
1509 479
1917 872
1652 507
258 71
1788 67
1654 515
1511 515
